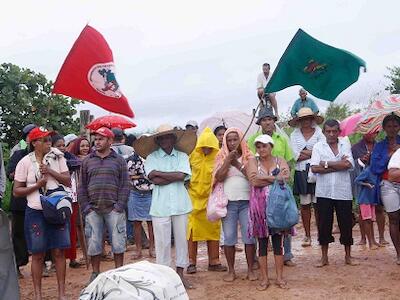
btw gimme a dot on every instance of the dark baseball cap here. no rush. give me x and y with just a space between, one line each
118 132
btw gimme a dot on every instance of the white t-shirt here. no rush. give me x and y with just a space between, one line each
25 172
262 81
394 162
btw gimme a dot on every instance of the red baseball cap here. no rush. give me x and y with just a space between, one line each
38 133
104 131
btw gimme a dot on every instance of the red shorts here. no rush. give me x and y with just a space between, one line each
367 212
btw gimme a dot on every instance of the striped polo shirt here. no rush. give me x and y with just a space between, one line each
103 184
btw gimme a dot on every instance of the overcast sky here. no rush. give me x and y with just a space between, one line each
181 60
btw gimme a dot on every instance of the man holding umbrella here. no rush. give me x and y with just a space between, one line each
167 166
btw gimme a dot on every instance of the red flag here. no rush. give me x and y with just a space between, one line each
88 73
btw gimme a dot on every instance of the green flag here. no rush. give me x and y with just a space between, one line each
323 70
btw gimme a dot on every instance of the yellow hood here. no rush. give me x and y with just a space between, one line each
207 139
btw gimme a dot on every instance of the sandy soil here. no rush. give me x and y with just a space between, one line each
377 276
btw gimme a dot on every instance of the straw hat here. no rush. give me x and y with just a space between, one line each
185 140
305 112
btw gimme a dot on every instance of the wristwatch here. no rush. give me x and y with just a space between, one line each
326 165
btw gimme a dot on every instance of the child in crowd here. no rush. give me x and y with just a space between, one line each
367 200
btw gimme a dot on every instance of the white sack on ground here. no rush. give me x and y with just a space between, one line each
142 280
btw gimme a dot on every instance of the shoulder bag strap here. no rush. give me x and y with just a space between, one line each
35 166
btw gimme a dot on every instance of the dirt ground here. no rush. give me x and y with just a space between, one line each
377 276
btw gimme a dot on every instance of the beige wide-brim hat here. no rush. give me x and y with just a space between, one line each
305 112
185 140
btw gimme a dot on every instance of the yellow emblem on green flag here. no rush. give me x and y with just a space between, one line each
323 70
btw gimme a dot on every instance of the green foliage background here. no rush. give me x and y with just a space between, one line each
25 97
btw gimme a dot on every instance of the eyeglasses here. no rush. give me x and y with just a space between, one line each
45 139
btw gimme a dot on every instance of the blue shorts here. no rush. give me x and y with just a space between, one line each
41 236
139 206
116 227
237 211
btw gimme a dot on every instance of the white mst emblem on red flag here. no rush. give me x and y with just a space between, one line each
102 78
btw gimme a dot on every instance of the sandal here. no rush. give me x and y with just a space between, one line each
281 284
263 286
74 264
191 269
289 263
187 284
217 268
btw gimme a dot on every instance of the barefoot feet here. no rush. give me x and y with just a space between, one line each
230 277
251 276
263 285
322 263
350 261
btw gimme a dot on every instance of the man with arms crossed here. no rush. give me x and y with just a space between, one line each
332 161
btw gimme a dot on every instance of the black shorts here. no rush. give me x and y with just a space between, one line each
344 217
277 245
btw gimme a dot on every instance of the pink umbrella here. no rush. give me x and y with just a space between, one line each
348 126
373 117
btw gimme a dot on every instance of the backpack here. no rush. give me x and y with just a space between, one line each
281 211
57 207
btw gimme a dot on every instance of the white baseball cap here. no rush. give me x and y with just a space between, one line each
265 139
192 123
70 138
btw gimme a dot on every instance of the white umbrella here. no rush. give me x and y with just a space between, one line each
228 119
237 119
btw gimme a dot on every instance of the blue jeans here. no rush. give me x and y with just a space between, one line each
129 230
287 246
237 211
116 226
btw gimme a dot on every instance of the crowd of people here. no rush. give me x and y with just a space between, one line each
167 179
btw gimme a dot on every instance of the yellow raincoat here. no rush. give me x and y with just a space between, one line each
200 188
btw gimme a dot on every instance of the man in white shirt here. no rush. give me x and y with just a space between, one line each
262 80
332 161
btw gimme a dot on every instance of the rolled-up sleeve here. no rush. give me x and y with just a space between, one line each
314 106
184 165
295 145
150 163
316 155
349 155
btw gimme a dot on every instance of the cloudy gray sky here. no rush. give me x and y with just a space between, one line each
180 60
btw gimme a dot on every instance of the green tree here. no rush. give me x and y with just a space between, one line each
339 111
394 76
25 97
